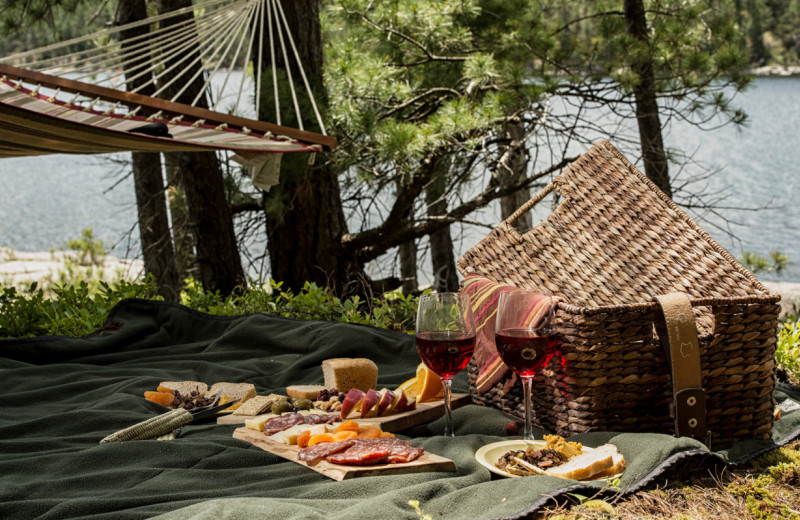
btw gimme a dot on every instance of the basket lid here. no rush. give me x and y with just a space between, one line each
614 239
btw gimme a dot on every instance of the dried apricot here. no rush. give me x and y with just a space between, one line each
320 437
303 438
348 425
369 433
162 398
344 435
387 434
162 388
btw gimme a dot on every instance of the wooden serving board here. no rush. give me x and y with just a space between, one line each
425 412
426 463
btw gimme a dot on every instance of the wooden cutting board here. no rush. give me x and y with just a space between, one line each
425 412
426 463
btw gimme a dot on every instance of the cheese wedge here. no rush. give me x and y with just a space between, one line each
256 424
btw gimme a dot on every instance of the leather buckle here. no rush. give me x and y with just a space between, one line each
689 412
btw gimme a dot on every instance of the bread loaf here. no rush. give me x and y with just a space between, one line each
346 373
304 391
232 391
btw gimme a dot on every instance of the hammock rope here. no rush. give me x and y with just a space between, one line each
57 100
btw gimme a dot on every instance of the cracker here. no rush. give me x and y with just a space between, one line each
256 405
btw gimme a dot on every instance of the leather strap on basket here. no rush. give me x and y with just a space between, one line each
678 334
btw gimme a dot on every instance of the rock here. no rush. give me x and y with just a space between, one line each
19 269
790 295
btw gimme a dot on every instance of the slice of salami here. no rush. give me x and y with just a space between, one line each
360 455
406 454
320 418
319 451
282 422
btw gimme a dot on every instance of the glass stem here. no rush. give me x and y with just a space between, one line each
448 411
527 384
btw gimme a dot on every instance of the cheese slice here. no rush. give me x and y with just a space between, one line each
289 436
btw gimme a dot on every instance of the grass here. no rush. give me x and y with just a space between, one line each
767 488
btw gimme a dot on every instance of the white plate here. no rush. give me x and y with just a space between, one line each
491 453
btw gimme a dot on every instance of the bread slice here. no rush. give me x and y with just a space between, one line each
583 466
618 460
233 391
346 373
304 391
184 387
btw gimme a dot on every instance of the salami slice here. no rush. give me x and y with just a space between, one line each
320 418
361 455
321 450
282 422
405 454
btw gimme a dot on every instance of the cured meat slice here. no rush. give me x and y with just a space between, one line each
361 455
282 422
321 450
320 418
405 454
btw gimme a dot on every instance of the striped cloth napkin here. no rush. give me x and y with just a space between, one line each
484 295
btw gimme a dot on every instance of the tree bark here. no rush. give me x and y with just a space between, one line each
210 218
407 252
512 166
148 180
306 223
443 261
647 116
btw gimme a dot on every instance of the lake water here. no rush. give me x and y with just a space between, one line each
47 200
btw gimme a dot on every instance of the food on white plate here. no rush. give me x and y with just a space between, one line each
310 392
347 373
351 402
257 405
563 459
369 404
583 466
386 403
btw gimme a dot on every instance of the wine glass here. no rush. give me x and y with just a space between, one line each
525 339
445 338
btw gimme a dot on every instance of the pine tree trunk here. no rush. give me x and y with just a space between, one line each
210 218
305 232
445 275
148 180
512 166
655 159
408 266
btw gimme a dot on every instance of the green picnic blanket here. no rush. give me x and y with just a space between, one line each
59 396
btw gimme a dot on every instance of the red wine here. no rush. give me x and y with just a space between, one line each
525 351
446 353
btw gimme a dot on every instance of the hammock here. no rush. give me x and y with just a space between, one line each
48 105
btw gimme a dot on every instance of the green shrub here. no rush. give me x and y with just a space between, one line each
71 310
787 352
77 310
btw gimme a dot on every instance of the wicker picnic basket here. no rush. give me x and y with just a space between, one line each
612 247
